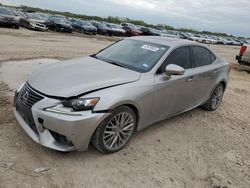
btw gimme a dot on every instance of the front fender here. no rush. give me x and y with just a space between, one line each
138 94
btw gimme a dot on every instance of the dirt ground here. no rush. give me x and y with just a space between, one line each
197 149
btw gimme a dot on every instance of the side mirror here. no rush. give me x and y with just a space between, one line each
172 69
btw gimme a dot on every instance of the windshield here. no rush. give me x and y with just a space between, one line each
132 54
34 16
115 26
57 20
42 15
86 23
6 11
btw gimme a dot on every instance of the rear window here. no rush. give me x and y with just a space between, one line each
202 56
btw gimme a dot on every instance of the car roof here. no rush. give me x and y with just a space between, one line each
166 41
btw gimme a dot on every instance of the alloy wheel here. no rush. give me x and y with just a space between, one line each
118 131
217 97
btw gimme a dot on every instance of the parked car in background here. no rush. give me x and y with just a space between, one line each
236 42
174 34
209 40
8 18
219 40
124 24
169 33
83 27
244 55
104 98
58 24
183 35
102 28
131 31
34 21
66 20
242 41
196 37
17 12
117 29
150 31
229 41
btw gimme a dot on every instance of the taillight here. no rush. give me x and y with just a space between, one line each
242 50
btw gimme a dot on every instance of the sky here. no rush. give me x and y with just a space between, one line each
229 16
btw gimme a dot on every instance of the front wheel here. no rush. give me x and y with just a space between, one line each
215 99
115 131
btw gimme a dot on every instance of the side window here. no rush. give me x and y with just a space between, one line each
202 56
213 58
180 56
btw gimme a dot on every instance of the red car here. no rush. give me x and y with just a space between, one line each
132 31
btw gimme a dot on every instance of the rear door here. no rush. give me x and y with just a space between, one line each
204 72
174 95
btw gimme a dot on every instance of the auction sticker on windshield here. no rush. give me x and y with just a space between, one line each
151 48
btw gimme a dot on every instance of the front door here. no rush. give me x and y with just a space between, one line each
176 94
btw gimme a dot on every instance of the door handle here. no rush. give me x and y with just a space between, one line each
216 70
191 78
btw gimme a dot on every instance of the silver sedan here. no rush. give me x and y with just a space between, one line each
104 98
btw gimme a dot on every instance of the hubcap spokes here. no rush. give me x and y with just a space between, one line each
216 97
118 131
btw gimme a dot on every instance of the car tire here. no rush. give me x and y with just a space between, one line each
115 131
28 26
215 99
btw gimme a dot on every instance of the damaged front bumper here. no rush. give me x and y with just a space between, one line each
59 131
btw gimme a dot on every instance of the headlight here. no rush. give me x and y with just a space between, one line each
81 104
32 22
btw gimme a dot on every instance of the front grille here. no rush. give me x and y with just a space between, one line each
41 24
26 98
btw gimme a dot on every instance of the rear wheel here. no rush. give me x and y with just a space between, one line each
17 26
115 131
215 99
28 26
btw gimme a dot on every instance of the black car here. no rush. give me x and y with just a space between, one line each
83 27
102 29
150 31
60 25
8 18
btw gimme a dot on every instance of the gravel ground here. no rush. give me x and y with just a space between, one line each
197 149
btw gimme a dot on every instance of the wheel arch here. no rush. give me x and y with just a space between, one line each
136 111
224 83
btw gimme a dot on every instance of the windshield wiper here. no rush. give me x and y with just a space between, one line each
117 64
108 61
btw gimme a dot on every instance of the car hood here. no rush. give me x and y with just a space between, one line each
89 27
62 24
37 21
78 76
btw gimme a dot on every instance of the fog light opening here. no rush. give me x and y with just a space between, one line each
40 120
61 138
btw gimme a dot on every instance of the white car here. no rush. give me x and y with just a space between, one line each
196 37
209 40
117 29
